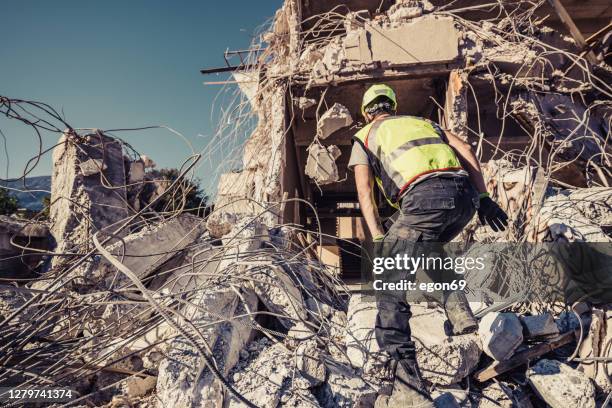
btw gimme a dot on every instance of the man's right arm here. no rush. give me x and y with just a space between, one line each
468 160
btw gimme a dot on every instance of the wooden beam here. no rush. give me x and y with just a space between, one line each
499 367
566 19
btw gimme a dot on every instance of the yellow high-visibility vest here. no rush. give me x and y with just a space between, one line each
400 149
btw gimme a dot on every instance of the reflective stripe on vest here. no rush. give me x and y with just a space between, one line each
401 149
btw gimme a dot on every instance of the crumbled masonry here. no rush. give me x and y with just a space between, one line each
257 296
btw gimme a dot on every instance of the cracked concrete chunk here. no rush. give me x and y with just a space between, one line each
321 164
500 334
264 380
540 325
165 240
334 119
560 385
180 369
443 359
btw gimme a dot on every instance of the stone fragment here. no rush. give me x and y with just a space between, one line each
334 119
321 164
92 166
360 340
560 385
500 335
539 325
309 362
442 359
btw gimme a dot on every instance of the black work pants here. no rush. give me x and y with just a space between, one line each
434 211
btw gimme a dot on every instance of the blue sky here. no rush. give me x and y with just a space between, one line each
121 64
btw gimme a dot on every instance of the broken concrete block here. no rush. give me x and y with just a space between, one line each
264 380
539 325
347 390
165 240
334 119
82 205
398 45
360 340
442 359
321 164
178 372
560 385
308 361
500 335
92 166
280 294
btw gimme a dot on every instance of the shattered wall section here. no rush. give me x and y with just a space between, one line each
88 188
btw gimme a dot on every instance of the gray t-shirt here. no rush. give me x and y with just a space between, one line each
359 156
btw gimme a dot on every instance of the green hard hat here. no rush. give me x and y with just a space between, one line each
374 92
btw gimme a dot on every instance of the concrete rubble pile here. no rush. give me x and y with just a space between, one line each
142 306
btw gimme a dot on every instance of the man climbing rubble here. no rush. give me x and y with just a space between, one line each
434 179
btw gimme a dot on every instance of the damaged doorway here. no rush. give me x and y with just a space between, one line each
318 151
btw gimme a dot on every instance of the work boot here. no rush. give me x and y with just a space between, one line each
459 314
408 389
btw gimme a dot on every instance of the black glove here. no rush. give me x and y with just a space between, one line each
491 213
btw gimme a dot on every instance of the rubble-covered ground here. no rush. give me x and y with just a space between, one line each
133 303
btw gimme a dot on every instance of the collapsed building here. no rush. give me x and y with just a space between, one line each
259 303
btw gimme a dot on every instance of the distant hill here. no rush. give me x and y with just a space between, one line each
31 200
